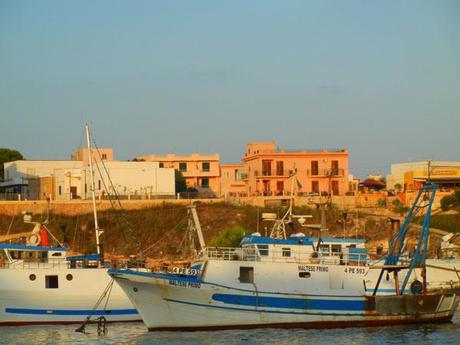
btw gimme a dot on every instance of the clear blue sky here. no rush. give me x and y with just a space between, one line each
381 78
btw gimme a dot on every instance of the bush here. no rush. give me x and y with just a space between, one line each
450 200
230 237
370 223
457 196
396 203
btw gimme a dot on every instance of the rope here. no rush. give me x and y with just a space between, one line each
123 212
75 232
169 232
54 238
107 290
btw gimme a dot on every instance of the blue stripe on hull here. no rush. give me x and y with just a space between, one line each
70 312
291 303
268 311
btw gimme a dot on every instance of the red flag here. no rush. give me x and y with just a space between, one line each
43 237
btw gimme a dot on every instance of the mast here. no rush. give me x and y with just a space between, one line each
98 231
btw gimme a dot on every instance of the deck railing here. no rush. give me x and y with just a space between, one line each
249 254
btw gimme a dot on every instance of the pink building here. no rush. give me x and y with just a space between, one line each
320 172
233 180
200 171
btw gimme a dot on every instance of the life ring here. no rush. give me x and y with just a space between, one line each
416 287
34 240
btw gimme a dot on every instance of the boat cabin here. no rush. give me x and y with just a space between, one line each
296 248
17 254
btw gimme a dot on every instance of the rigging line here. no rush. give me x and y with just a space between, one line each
112 204
108 296
101 298
169 232
11 224
54 238
111 201
75 232
123 212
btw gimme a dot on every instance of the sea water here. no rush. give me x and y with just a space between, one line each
136 333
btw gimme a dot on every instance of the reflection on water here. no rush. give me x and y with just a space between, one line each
136 333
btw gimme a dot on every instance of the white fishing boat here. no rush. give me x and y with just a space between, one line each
41 284
293 282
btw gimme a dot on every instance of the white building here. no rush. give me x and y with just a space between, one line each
18 173
131 179
67 180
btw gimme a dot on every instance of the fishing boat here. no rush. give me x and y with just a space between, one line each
40 283
294 282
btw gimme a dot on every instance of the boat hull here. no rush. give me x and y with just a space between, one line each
24 301
170 302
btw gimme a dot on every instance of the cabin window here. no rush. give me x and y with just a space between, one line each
56 254
304 274
205 182
51 282
287 252
205 166
336 248
263 249
32 277
324 249
69 277
246 275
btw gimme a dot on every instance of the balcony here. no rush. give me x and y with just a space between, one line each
272 173
326 172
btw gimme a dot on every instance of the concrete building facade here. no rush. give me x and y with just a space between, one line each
131 178
412 175
268 169
68 180
201 172
102 153
233 180
19 173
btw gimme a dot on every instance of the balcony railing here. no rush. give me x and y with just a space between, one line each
326 172
272 173
300 257
287 173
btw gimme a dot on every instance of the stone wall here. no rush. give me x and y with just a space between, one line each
75 207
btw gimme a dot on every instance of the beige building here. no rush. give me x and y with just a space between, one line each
102 153
201 172
233 180
410 176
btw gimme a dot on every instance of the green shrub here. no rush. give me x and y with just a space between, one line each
230 237
449 201
382 203
396 203
457 196
370 223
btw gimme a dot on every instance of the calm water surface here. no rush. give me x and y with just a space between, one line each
136 333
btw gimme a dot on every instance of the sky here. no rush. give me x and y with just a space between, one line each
381 78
